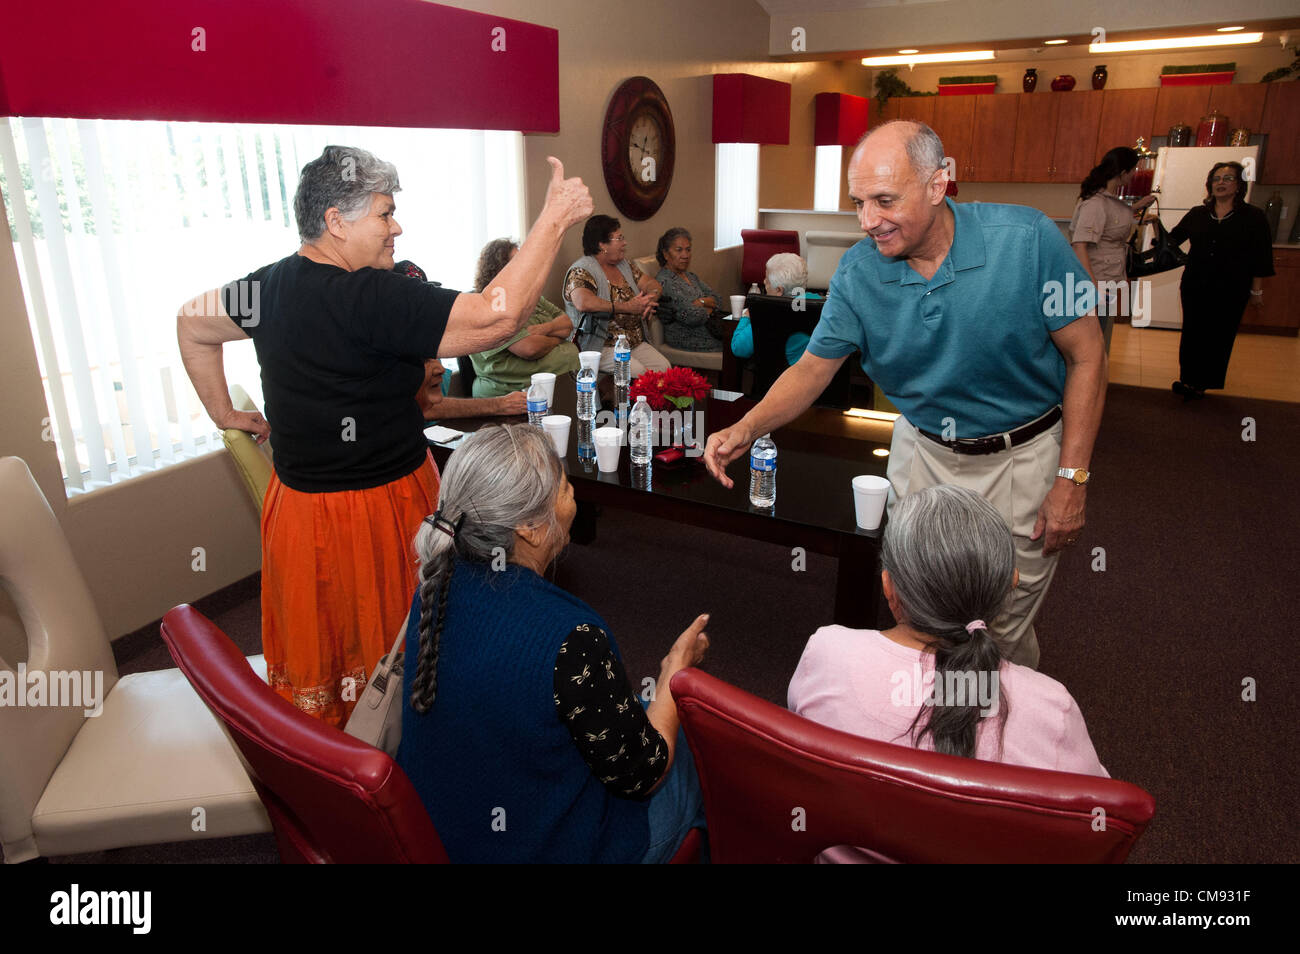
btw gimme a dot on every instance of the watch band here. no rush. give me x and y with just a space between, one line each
1076 474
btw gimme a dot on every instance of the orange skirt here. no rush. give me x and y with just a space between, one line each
338 577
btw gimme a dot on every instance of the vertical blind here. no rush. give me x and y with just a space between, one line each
735 192
826 178
116 223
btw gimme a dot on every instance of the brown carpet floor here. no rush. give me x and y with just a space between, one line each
1198 531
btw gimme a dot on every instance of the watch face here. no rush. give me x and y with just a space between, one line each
1080 476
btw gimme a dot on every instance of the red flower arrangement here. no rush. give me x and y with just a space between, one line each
679 387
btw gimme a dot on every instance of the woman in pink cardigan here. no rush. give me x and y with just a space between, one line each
937 680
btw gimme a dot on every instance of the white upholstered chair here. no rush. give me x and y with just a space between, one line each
138 772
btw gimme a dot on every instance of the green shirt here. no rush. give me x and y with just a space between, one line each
500 371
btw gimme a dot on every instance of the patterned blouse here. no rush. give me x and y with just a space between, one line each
594 699
686 325
630 325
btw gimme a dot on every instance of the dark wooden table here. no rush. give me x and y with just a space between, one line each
819 455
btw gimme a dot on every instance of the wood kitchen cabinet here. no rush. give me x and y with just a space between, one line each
917 108
1056 136
1180 104
1280 313
1125 115
954 121
1077 127
1242 103
993 137
883 115
1281 123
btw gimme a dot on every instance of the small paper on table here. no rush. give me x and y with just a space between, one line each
442 435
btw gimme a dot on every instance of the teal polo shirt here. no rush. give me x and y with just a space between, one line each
974 342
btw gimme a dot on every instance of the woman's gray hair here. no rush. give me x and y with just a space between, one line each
951 557
342 177
500 478
789 271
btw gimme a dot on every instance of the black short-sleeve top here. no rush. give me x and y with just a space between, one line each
342 357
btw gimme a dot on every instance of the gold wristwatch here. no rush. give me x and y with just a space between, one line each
1076 474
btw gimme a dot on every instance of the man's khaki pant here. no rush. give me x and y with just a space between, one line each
1015 481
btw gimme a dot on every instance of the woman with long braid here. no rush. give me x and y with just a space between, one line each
938 680
521 730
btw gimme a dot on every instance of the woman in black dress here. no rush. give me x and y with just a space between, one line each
1231 255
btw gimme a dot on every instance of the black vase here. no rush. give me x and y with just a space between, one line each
1030 81
1099 77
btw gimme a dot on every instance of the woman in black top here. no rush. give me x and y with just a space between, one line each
1231 255
342 341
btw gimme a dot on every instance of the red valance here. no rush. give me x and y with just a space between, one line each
841 119
750 109
378 63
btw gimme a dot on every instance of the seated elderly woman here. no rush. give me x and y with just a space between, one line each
787 274
522 732
938 680
688 304
541 345
606 294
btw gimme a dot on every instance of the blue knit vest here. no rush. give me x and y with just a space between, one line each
494 765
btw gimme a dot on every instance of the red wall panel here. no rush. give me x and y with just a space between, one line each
378 63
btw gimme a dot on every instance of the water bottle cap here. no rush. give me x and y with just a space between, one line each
640 399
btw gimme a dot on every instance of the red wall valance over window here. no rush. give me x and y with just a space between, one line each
750 109
376 63
841 119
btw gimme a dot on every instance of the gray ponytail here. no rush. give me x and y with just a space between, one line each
501 477
951 558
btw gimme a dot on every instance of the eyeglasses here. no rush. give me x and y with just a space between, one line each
1224 179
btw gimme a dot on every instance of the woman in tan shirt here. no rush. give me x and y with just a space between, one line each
1100 230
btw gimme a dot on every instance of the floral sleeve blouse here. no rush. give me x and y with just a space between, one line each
595 700
629 325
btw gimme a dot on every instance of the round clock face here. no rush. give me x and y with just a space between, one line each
638 148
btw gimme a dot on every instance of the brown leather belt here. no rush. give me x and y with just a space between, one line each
998 442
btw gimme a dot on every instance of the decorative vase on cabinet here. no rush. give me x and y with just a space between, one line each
1063 83
1030 81
1099 76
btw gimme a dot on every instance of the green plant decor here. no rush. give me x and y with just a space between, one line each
889 84
966 80
1199 68
1282 72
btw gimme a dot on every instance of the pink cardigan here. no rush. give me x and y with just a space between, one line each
860 681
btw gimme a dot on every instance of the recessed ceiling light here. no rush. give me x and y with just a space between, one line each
1230 29
881 452
1054 42
959 57
909 51
1175 43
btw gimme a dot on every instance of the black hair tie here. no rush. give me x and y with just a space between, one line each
449 527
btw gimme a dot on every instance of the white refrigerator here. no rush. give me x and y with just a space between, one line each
1179 183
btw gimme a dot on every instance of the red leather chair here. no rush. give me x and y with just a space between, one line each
760 245
331 798
780 788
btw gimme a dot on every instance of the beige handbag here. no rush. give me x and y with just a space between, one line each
377 718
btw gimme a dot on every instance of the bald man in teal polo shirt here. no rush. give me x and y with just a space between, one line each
977 322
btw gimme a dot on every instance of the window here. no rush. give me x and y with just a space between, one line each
115 224
736 201
826 178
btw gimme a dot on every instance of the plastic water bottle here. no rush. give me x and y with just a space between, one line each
586 445
586 394
537 408
622 361
762 472
639 434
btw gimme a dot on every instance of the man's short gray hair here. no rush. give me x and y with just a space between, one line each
343 178
924 148
789 271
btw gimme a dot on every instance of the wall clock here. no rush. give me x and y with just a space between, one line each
638 148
